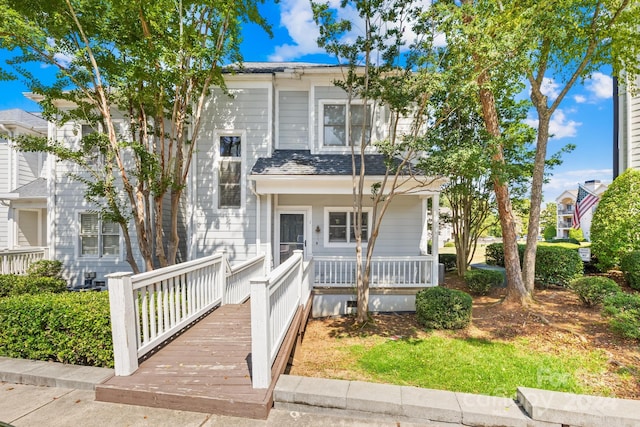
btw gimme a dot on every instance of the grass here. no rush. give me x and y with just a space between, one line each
473 365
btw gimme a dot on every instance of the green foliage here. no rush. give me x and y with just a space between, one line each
72 327
555 264
614 229
442 308
481 281
576 235
549 232
548 216
11 284
592 290
630 266
450 245
45 268
623 311
570 240
449 261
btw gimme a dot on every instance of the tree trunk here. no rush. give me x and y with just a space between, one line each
529 260
516 291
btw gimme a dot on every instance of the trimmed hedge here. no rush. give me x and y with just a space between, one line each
481 281
450 261
623 311
442 308
555 265
630 266
11 285
73 327
45 268
592 290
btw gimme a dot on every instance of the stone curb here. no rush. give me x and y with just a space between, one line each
52 374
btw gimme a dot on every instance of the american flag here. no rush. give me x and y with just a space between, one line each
585 201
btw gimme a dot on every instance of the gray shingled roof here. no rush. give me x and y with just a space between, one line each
18 117
274 67
302 162
36 189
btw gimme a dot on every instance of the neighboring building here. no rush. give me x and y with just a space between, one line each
271 174
23 184
566 207
626 144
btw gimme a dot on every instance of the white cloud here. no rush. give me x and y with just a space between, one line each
550 88
600 86
297 18
559 127
568 180
580 99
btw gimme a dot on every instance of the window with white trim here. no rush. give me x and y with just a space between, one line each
98 237
230 172
340 226
342 122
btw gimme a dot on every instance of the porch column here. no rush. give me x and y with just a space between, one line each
435 230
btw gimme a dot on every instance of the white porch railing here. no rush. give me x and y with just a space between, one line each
274 302
17 261
397 272
148 308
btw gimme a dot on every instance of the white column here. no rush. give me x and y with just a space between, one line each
435 230
260 339
123 323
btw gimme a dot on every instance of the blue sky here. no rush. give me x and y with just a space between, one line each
585 117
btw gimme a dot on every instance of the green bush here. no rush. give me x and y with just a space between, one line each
592 290
442 308
481 281
624 313
450 261
45 268
450 245
549 232
630 266
73 327
556 264
616 219
11 284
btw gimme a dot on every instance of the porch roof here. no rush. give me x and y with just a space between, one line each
300 172
34 190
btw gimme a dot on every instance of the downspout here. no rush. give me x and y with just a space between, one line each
258 218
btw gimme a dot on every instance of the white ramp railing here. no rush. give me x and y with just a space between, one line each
274 302
397 272
17 261
149 308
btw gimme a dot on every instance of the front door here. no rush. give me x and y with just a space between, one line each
292 234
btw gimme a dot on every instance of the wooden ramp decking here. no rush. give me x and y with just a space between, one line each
205 369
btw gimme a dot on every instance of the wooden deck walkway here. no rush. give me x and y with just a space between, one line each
205 369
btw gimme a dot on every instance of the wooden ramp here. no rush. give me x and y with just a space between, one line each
205 369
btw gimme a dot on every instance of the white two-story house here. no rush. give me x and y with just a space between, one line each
272 173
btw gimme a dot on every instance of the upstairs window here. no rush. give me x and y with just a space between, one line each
230 172
98 237
342 122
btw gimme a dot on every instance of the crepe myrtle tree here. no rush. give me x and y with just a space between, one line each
152 63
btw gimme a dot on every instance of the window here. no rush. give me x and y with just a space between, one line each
341 226
336 126
230 172
98 237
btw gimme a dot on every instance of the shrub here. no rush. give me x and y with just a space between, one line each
557 266
549 232
481 281
45 268
630 266
450 261
576 234
450 244
11 284
624 313
592 290
442 308
73 327
615 221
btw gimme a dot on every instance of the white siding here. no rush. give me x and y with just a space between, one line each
629 130
400 231
5 172
293 120
29 167
234 230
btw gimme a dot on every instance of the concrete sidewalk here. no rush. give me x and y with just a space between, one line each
52 394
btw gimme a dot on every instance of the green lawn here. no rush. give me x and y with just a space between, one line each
474 366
